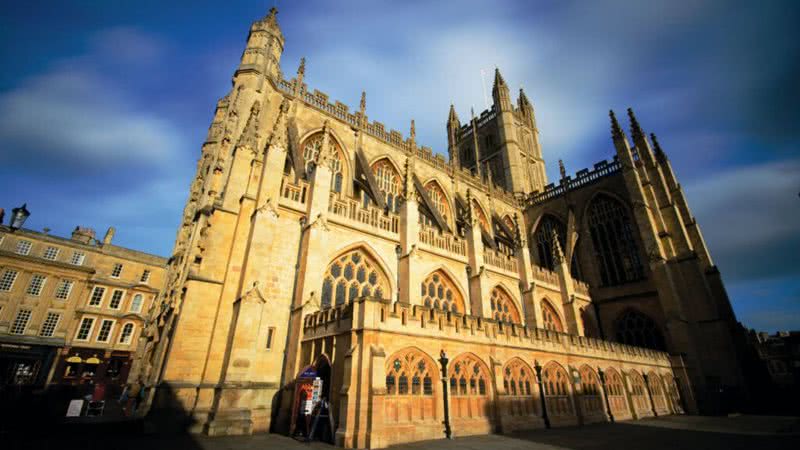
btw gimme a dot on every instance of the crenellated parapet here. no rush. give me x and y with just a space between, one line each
582 178
376 314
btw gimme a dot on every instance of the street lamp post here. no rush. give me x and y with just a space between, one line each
541 393
443 361
605 394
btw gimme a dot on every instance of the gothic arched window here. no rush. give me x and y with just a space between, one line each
439 292
550 318
352 275
613 238
591 393
468 377
615 392
477 211
503 307
543 239
518 378
638 393
438 198
555 382
311 150
409 372
389 182
637 329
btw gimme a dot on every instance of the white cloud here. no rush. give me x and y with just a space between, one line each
72 115
748 207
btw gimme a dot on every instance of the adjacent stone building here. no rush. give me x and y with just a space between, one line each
72 310
315 241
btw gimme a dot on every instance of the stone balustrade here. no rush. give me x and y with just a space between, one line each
500 260
372 216
444 241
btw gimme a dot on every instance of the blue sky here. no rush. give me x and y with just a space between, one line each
104 105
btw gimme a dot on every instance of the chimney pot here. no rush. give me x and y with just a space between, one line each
109 236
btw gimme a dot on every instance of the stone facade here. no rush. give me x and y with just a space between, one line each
72 311
313 236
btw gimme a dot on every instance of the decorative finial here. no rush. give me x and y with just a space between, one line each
302 69
636 130
498 79
616 131
558 254
562 169
453 117
517 232
472 112
413 130
363 104
659 152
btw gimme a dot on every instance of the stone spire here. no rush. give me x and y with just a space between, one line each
500 93
301 73
660 155
301 70
562 169
452 118
636 129
616 130
268 22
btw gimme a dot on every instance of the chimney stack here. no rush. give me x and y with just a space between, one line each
83 234
109 235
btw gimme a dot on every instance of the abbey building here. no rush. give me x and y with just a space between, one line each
467 294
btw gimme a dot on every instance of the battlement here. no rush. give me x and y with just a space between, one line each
321 101
582 178
376 314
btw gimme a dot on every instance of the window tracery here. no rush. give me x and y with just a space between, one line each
555 382
613 238
638 392
637 329
439 292
390 184
615 391
550 318
468 377
591 393
503 307
477 211
352 275
410 373
311 151
438 198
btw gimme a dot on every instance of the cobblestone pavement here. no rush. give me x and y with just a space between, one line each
680 432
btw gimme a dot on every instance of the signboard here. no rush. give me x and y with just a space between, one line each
75 407
308 372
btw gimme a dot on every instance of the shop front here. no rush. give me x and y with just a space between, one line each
87 366
25 364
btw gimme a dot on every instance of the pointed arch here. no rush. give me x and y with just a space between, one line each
551 319
480 214
355 272
555 381
613 234
615 391
657 391
389 180
638 392
440 291
503 305
633 327
591 392
310 148
469 376
439 197
411 371
542 240
518 377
